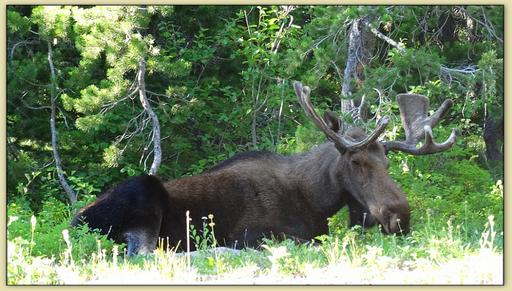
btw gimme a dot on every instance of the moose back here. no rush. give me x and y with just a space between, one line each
255 195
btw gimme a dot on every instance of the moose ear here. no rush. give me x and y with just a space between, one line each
332 120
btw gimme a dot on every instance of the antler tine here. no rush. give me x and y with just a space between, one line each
441 112
429 147
342 142
413 112
303 93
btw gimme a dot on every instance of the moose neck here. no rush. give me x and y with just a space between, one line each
317 172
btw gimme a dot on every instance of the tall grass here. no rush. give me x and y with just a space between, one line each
438 255
456 238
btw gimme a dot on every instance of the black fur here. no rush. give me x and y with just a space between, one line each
131 211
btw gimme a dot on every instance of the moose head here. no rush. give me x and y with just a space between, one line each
362 165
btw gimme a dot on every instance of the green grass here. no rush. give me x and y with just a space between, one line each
456 238
430 255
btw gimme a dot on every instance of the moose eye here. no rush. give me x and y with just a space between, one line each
356 163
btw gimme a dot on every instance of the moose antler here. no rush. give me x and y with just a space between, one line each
413 112
342 142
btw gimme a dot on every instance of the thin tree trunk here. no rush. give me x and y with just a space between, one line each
347 105
360 45
157 150
256 108
53 97
254 135
280 113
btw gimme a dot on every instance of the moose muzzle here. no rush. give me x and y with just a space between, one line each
395 219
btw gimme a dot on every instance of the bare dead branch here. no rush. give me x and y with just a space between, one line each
347 105
106 107
384 37
450 74
157 157
58 164
361 109
470 69
282 31
24 42
30 106
280 112
247 23
317 44
488 25
127 135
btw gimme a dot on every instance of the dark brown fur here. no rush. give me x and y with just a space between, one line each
255 195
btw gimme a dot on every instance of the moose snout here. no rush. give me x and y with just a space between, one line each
393 220
397 224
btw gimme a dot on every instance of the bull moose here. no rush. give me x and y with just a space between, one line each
260 194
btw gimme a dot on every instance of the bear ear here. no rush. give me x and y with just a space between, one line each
332 120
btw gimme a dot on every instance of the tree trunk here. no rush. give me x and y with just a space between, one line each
493 131
354 41
157 150
360 46
56 156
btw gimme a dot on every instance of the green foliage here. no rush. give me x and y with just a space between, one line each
17 23
44 232
491 78
204 238
219 79
53 21
305 138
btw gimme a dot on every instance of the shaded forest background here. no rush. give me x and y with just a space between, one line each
93 92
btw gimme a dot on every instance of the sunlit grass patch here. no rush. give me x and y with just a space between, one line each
355 258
